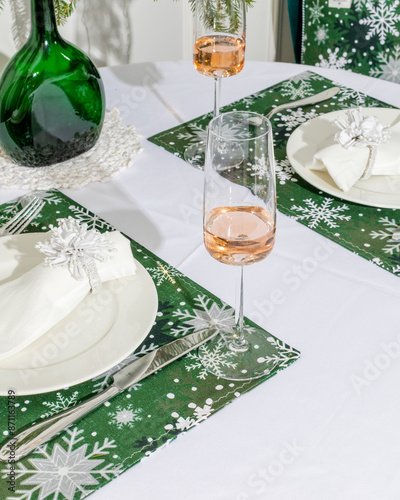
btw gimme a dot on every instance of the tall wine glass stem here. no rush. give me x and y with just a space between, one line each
238 342
217 94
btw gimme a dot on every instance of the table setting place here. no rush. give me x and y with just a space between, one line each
108 352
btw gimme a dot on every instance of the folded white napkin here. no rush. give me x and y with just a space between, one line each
347 166
34 300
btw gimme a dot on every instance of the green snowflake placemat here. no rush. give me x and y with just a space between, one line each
358 35
367 231
137 422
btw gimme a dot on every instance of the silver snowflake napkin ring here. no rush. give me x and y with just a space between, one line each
73 245
358 131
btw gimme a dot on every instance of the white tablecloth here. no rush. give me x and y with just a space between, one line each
326 428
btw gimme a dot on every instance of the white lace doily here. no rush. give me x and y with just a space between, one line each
114 151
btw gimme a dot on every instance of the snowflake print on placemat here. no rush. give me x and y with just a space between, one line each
354 98
316 11
163 272
296 90
198 415
214 358
293 118
207 315
324 213
392 246
65 470
103 380
322 34
61 403
389 68
286 353
359 4
284 171
93 221
334 60
382 19
125 416
259 168
50 197
192 134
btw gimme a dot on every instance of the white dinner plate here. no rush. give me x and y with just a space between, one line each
310 137
98 334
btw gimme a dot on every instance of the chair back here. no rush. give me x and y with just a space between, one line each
357 35
294 9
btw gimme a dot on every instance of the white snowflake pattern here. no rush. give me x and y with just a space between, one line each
396 270
321 34
334 60
259 168
354 97
325 213
294 90
316 11
392 246
61 403
93 221
209 315
389 68
284 171
285 356
103 380
163 272
214 358
125 417
193 134
50 197
382 20
293 118
65 470
200 413
359 4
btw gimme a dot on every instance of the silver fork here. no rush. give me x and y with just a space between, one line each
313 99
24 217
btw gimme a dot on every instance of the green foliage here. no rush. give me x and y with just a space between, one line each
64 8
227 21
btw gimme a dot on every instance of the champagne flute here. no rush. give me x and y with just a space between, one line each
218 51
239 230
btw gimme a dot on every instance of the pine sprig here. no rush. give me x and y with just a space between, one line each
64 9
221 15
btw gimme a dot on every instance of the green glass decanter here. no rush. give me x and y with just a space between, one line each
51 97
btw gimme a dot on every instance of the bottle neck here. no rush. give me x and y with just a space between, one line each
43 21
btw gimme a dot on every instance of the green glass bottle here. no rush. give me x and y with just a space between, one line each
51 97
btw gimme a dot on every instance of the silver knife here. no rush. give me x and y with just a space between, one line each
26 441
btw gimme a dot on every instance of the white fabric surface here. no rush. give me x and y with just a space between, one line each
41 296
310 433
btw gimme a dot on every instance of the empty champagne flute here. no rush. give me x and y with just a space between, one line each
218 51
239 230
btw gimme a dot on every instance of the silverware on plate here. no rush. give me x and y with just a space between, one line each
36 435
313 99
24 217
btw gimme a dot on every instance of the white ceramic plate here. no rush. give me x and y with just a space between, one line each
102 331
378 191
